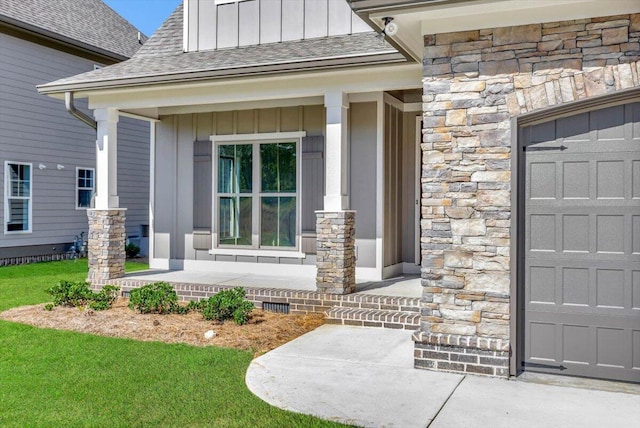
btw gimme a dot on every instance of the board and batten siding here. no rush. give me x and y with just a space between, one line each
183 204
400 223
37 129
183 197
255 22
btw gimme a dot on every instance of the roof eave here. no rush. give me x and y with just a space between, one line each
58 38
186 77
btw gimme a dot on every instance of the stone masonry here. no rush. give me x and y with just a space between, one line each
475 82
336 256
106 244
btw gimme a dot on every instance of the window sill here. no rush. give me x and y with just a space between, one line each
258 253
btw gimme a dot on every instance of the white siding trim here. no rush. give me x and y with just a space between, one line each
257 137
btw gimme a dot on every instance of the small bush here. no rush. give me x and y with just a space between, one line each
49 307
227 304
78 294
105 298
70 293
132 250
156 298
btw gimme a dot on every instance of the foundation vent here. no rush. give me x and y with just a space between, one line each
280 308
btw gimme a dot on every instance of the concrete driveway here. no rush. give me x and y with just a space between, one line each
365 377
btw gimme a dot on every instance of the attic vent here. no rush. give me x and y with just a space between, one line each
279 308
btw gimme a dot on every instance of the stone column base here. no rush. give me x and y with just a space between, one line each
336 255
461 354
106 242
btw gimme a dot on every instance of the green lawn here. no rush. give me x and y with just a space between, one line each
55 378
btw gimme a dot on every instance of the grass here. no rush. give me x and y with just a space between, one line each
59 378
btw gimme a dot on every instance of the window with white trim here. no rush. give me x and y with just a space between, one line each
85 187
17 205
256 194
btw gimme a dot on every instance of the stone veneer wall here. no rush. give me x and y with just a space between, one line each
336 255
106 244
474 83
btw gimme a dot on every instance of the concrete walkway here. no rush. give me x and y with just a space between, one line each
365 376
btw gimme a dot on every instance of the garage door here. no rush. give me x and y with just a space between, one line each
582 245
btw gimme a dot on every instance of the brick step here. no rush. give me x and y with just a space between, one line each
374 318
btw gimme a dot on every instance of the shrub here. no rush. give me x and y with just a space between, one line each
105 298
227 304
156 298
132 250
78 294
70 293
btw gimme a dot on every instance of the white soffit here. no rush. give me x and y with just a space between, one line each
416 22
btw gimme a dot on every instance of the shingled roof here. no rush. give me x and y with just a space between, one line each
162 59
87 24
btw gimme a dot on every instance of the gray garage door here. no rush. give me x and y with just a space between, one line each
582 245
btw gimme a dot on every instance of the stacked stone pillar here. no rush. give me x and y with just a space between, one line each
336 256
106 244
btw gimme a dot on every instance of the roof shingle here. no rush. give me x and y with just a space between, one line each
162 59
88 22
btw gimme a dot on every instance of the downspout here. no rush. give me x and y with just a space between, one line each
73 111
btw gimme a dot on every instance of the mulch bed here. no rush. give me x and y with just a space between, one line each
265 330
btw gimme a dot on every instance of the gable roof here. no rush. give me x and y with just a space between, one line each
162 59
85 24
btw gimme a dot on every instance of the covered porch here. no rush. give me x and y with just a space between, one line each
318 180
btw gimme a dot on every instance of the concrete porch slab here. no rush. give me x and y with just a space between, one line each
403 286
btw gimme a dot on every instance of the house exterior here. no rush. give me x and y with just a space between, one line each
47 157
494 143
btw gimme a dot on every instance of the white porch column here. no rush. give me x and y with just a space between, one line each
335 225
107 234
107 159
336 196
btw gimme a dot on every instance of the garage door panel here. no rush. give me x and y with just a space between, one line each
575 286
610 179
635 290
610 234
582 245
576 179
576 344
635 168
609 123
635 343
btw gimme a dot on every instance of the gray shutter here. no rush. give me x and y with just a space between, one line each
202 181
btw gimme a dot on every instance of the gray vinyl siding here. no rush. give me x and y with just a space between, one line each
38 130
254 22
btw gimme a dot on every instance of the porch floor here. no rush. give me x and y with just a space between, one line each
402 286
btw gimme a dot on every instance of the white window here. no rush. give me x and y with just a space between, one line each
85 187
17 203
256 192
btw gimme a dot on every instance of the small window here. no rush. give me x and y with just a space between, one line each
85 187
17 207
